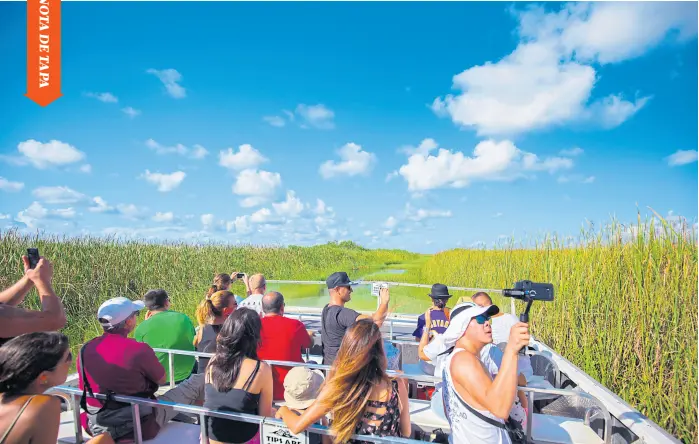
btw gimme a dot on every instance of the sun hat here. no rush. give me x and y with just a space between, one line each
301 387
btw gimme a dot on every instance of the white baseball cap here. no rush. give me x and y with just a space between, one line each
117 310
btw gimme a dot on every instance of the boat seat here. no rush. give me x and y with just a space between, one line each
547 429
173 432
422 417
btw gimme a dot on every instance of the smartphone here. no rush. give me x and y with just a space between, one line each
239 275
376 288
33 255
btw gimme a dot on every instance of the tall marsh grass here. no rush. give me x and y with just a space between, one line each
625 309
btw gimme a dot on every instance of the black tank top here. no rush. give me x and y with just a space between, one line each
207 344
234 400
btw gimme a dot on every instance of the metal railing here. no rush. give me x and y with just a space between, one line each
202 413
392 373
529 391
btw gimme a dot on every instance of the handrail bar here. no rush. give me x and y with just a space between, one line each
395 284
203 412
170 352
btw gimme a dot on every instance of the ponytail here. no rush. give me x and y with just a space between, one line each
439 303
213 289
213 305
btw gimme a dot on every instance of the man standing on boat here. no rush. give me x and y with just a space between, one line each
336 318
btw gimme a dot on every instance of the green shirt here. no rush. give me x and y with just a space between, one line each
169 329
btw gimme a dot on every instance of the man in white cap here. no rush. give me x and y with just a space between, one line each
476 404
118 364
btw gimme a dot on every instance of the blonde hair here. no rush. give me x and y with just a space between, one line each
221 280
212 306
359 367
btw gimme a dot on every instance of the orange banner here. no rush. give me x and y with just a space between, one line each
43 51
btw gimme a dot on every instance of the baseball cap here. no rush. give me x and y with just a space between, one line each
301 387
339 279
117 310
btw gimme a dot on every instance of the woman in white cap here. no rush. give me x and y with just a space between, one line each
476 404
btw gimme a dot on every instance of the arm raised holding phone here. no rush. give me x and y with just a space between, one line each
15 321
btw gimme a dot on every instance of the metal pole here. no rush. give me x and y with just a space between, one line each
530 414
76 420
203 429
171 367
135 411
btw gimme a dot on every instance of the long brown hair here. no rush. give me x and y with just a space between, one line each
221 280
359 367
212 306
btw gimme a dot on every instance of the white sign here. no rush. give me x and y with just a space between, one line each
279 434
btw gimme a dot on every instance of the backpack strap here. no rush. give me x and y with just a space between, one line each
480 416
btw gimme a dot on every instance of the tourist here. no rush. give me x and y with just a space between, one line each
236 380
165 328
438 313
336 318
282 339
476 405
15 321
501 325
360 396
301 388
31 364
211 314
258 286
114 362
223 281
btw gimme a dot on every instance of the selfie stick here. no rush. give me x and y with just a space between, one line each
526 296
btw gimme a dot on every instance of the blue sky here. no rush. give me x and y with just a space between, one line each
418 126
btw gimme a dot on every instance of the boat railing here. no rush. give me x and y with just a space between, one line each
529 391
202 413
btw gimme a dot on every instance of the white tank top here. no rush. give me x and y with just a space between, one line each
465 426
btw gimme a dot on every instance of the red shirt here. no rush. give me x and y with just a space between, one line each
282 340
120 364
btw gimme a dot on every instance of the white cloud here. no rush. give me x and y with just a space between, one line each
9 186
496 215
165 182
196 152
35 215
253 201
131 112
245 158
45 155
103 97
257 183
548 79
425 147
240 225
291 207
209 222
87 168
682 157
589 179
390 223
421 214
316 116
263 215
58 195
170 79
131 211
491 160
100 206
164 217
354 161
572 152
275 121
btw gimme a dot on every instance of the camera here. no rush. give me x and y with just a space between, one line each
528 290
240 275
